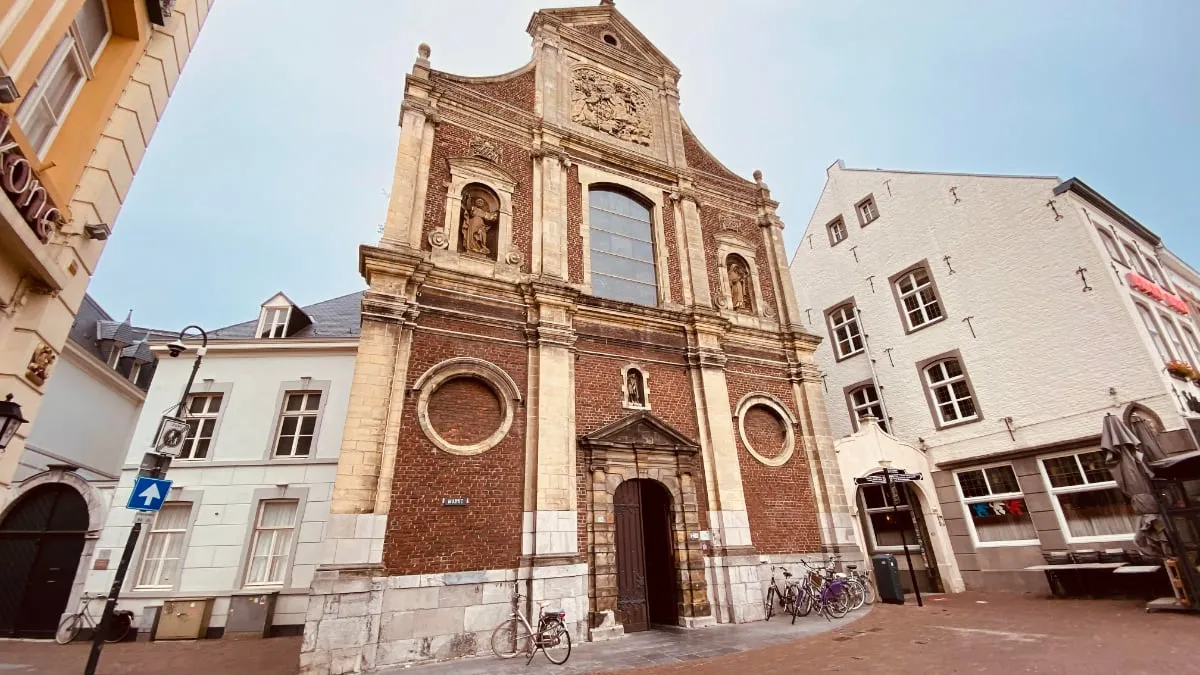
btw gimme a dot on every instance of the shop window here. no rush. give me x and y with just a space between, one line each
996 508
889 517
1088 502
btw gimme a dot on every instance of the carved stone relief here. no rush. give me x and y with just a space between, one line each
39 364
482 147
617 108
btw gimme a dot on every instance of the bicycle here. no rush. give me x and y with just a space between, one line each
786 597
515 635
118 627
858 584
826 594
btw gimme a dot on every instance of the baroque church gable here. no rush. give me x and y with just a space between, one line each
642 430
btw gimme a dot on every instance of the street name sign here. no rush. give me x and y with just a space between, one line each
148 494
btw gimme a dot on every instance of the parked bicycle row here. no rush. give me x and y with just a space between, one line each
822 589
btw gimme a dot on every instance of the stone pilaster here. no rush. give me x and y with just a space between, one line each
550 209
418 118
551 526
693 245
833 509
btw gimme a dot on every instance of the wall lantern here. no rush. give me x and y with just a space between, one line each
10 420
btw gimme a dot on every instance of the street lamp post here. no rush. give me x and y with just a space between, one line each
10 420
154 465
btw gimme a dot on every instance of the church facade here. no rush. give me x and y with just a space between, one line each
581 371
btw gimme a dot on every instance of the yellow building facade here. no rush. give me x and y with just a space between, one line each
83 84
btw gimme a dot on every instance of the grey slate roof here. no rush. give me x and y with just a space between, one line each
338 317
93 324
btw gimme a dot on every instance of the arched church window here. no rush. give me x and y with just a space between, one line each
622 247
478 231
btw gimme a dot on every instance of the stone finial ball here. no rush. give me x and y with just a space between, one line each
758 175
423 50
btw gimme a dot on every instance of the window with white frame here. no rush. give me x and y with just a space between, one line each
918 298
1156 273
135 372
1087 499
164 552
1190 339
1155 335
867 211
864 401
274 322
951 394
889 517
847 337
49 99
1176 339
297 423
202 413
837 231
271 546
996 506
621 239
1110 245
114 356
1135 260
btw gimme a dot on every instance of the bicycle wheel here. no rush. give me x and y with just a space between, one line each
837 602
806 601
119 627
68 629
854 590
556 642
510 638
868 590
769 605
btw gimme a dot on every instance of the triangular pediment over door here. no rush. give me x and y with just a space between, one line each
642 430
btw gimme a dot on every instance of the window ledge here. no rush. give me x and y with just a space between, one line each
839 359
1008 544
927 324
958 423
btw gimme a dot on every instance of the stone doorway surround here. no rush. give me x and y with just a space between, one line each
641 445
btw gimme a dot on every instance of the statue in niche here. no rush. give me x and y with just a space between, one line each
739 284
633 386
480 212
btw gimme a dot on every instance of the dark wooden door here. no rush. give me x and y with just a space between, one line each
633 610
41 541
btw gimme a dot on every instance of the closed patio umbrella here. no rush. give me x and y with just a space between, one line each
1122 449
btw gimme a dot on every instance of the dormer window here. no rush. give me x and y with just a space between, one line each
274 321
114 356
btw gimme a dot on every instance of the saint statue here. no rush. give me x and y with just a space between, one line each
739 285
476 223
634 387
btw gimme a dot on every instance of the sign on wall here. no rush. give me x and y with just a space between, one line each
21 184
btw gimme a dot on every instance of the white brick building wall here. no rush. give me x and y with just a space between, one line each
226 487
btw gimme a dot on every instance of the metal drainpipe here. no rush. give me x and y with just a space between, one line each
871 362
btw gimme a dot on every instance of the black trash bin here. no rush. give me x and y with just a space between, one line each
887 578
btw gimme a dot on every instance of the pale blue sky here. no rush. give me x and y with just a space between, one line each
272 162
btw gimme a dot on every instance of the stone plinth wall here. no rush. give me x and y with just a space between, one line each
360 622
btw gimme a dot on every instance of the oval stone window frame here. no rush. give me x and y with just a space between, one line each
789 423
490 374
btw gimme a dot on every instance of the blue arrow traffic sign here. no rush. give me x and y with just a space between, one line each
148 494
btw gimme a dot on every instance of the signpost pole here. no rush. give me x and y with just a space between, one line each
903 539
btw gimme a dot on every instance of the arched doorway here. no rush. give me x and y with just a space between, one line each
41 541
894 517
646 577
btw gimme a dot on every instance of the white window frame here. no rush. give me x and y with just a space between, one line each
274 320
70 47
1111 245
849 312
1053 492
114 356
1137 264
257 537
1156 334
992 497
299 414
922 306
163 561
135 371
1159 277
931 386
857 410
1189 337
915 545
1175 339
193 439
837 227
868 211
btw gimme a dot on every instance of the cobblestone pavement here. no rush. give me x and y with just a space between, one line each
970 633
655 647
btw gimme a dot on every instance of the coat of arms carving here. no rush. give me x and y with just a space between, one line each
617 108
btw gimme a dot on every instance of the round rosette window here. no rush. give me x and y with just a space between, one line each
465 406
766 429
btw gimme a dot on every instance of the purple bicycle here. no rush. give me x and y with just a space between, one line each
824 593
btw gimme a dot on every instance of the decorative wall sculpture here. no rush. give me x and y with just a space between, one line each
482 147
617 108
480 211
39 364
739 284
